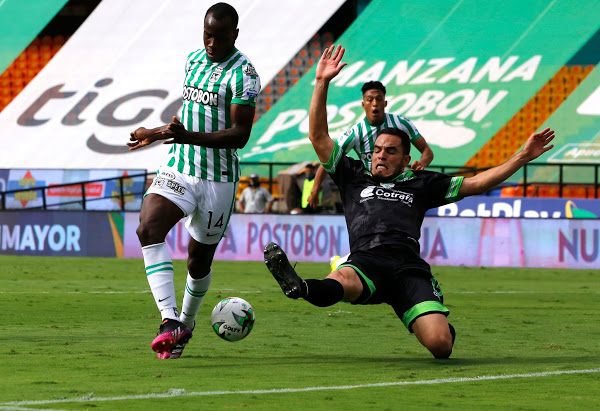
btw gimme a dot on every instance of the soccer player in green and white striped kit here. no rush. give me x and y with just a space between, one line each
200 177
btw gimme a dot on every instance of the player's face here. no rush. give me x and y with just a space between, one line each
219 37
389 160
374 105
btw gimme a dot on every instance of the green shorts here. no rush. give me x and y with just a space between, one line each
396 276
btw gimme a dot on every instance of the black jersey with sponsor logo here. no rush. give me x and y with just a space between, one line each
389 213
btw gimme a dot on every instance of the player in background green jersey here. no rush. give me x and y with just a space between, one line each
361 137
200 177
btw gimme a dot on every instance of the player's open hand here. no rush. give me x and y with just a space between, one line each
330 64
537 144
142 137
175 132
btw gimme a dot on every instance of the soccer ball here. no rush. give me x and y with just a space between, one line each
232 318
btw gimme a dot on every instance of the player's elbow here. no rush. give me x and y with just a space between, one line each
241 140
317 137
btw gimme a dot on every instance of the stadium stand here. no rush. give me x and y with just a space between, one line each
533 114
288 76
25 67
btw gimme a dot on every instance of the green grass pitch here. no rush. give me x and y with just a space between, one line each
75 334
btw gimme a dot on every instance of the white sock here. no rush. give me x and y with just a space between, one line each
159 270
192 298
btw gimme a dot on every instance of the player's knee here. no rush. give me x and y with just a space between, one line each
147 235
440 345
143 233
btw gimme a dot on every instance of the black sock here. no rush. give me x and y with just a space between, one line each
323 293
453 332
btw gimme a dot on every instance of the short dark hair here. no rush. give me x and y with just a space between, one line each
373 85
223 10
398 133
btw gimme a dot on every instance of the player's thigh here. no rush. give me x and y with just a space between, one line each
175 187
416 293
351 282
372 272
215 203
157 216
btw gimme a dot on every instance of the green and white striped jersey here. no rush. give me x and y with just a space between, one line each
361 137
209 90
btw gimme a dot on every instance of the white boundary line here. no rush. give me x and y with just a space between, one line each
183 393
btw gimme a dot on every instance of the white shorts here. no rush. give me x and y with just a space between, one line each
207 203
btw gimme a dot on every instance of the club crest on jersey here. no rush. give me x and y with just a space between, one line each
387 185
216 74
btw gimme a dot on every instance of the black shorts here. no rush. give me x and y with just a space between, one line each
398 277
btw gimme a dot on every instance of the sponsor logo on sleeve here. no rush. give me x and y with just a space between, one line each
253 88
249 71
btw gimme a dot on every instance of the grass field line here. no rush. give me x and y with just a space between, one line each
183 393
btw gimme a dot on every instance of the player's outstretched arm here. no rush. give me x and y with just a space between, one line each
328 67
536 145
242 117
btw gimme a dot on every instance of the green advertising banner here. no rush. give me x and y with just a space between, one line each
20 22
459 70
577 128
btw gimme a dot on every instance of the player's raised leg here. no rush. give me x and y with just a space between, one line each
338 286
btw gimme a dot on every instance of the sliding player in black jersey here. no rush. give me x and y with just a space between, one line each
384 209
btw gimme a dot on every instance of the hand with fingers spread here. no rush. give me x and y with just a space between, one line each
537 144
330 64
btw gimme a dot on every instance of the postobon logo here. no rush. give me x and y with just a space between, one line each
200 96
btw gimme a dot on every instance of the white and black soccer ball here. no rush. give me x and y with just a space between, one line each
232 318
